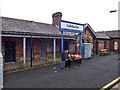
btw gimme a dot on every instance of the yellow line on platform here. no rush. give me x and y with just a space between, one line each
109 84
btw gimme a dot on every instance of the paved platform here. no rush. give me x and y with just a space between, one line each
92 73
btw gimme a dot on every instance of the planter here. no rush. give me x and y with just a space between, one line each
69 63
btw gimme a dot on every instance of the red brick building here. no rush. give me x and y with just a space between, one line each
23 39
88 36
113 43
20 37
109 40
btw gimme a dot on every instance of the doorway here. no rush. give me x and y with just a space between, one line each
105 45
10 51
96 47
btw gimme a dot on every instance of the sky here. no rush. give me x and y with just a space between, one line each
94 12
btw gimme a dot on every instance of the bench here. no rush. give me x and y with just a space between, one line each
103 52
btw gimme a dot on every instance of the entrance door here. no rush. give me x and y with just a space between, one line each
10 51
96 47
43 50
105 45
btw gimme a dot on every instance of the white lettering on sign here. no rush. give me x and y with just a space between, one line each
70 26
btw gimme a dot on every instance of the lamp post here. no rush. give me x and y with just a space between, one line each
112 11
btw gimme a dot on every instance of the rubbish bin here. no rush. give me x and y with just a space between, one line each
64 55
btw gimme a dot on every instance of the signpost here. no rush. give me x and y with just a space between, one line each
67 26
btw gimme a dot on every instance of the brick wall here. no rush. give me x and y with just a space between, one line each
112 44
36 48
71 47
18 48
101 45
86 37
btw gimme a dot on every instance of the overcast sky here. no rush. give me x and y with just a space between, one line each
94 12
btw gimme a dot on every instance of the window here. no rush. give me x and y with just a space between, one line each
43 49
115 45
28 49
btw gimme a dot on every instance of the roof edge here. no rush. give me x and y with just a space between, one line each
25 20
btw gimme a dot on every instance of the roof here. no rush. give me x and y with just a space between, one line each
113 34
101 36
25 27
87 25
110 34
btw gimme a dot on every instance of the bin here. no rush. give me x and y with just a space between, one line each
64 55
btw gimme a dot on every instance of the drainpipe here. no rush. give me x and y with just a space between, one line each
54 50
24 50
31 51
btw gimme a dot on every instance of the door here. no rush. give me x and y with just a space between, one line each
10 51
43 50
96 47
28 49
105 45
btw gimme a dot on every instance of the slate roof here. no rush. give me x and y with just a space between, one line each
113 34
25 27
110 34
101 35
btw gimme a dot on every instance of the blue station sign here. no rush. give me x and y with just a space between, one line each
71 26
66 26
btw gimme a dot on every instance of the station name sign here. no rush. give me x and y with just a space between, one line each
71 26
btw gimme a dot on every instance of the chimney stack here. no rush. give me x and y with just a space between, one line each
55 18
